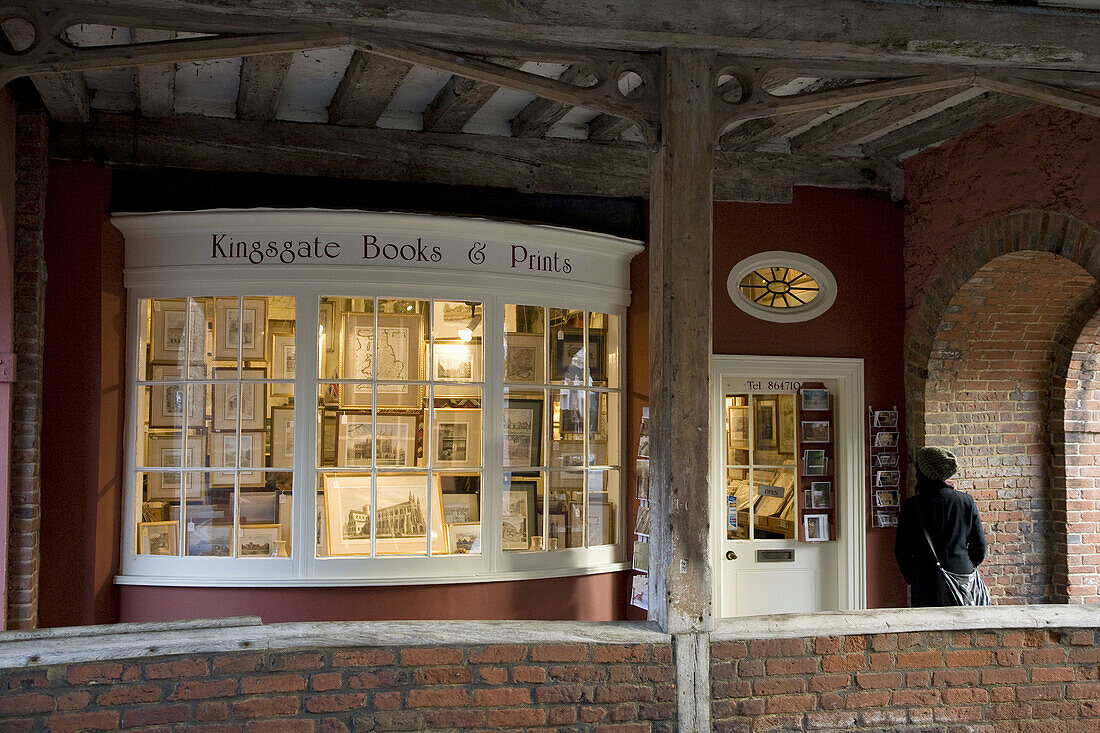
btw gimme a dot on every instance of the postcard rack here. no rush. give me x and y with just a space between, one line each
815 490
884 466
639 584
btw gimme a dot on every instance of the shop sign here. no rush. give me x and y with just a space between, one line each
772 385
293 240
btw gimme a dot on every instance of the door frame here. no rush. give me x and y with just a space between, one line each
850 456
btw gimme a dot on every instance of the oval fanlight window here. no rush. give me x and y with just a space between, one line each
781 286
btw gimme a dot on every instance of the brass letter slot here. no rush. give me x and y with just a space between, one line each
775 555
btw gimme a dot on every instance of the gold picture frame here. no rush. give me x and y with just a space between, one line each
253 399
251 322
223 454
159 538
348 509
400 360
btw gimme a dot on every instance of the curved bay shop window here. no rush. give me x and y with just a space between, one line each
352 398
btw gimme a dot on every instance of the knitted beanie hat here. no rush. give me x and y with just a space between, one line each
937 463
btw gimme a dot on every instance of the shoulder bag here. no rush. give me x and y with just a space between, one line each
956 589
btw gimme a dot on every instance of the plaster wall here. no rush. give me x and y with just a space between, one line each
1044 158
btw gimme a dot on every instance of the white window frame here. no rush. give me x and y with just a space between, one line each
826 295
145 280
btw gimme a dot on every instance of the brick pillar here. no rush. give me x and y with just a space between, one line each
30 281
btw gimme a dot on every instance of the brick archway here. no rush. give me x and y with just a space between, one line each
1007 306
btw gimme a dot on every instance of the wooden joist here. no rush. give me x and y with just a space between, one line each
547 165
607 127
262 79
751 134
368 85
854 124
982 110
458 101
540 114
156 85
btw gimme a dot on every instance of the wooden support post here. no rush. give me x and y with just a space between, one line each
681 183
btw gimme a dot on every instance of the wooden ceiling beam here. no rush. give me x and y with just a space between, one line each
858 122
156 85
459 100
988 34
753 133
541 114
366 89
65 96
984 109
606 128
1043 93
262 79
552 166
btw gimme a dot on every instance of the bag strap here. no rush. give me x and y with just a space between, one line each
927 537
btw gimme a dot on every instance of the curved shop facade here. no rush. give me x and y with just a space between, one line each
352 400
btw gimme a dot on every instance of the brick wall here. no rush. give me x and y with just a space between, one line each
30 278
1075 444
988 399
987 681
990 341
617 688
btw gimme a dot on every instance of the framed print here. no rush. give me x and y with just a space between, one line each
815 431
885 419
259 540
401 521
282 362
522 432
816 527
166 400
456 360
764 425
456 437
158 538
347 516
643 446
886 440
223 452
887 498
170 328
400 344
248 323
165 451
814 463
327 316
461 508
640 560
282 437
207 539
524 358
520 497
786 423
821 495
887 460
451 316
253 400
258 507
464 538
393 440
641 470
601 523
886 519
888 479
815 400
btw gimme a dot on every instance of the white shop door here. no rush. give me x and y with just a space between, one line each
762 567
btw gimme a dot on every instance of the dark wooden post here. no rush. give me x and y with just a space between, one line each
681 170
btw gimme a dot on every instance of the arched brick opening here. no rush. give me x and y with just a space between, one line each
1075 454
979 377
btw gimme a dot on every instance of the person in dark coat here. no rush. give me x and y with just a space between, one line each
952 520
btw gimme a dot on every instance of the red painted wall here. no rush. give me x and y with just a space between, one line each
585 598
859 238
7 333
1043 158
82 400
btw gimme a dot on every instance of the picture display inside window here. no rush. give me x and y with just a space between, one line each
398 402
761 484
214 445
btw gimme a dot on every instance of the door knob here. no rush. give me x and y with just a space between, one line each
731 555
